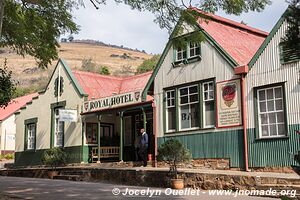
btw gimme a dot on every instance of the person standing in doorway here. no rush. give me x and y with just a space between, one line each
144 146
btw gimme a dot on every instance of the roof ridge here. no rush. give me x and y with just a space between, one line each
96 74
232 23
138 75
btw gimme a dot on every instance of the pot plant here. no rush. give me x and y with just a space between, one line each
54 157
174 152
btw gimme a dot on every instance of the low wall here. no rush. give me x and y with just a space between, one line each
156 177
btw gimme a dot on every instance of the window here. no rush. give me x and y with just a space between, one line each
271 113
181 54
91 133
189 52
189 106
31 134
208 104
171 110
288 53
59 127
194 49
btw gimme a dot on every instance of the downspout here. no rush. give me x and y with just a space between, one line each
154 133
242 71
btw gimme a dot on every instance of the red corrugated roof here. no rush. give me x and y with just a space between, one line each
15 105
240 41
100 86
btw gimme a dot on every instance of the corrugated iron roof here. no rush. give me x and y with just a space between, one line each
100 86
15 105
240 41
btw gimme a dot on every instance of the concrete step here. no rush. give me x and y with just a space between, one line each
68 177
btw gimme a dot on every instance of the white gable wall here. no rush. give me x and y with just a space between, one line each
40 108
7 134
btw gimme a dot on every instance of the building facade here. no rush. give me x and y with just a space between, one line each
229 96
7 123
92 117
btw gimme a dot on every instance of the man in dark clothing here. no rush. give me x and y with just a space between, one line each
144 147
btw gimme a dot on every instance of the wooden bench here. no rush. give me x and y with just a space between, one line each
105 152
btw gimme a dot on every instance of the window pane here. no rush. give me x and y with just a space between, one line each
264 118
262 106
172 102
273 130
184 55
281 129
211 95
194 115
183 91
168 103
209 113
262 95
270 94
205 86
278 104
198 51
265 131
171 119
272 118
184 100
270 105
185 116
280 117
194 98
278 93
193 89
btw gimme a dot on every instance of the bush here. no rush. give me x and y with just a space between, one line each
54 157
148 65
9 156
104 70
173 152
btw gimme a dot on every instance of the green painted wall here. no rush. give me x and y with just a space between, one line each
273 152
223 144
27 158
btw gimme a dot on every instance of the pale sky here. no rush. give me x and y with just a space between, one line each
119 25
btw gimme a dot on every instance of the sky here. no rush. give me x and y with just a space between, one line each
119 25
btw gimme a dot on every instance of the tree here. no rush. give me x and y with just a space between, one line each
104 70
148 64
7 86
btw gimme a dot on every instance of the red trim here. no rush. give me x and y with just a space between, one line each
241 69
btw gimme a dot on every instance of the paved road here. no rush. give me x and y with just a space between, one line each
44 189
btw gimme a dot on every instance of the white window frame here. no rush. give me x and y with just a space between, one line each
207 100
181 52
188 103
275 111
57 131
170 106
193 46
31 135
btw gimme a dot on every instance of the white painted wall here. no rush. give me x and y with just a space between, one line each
40 108
268 70
7 134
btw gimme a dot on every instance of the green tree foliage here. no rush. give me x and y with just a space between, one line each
90 66
148 64
33 29
173 152
292 37
7 86
104 70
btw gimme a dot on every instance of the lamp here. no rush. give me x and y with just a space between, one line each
99 117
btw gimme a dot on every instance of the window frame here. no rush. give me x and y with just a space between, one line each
55 106
258 126
209 100
177 105
186 49
28 122
167 107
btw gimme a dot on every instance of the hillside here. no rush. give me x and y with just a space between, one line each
118 60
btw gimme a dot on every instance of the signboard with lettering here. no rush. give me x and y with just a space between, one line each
112 101
229 103
66 115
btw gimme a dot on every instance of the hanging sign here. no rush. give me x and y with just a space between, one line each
229 103
66 115
112 101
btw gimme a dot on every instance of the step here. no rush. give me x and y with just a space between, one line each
68 177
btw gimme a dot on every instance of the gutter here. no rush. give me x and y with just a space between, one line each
242 71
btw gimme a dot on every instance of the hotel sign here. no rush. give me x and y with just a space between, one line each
229 103
112 101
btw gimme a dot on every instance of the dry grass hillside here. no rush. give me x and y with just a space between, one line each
119 61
